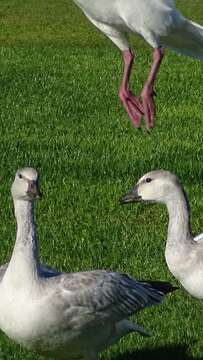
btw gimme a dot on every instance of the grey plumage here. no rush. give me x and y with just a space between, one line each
64 315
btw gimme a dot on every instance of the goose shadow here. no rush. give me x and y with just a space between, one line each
178 352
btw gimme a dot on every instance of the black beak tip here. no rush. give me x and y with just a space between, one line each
129 199
35 195
123 200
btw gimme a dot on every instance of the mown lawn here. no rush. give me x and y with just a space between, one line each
60 113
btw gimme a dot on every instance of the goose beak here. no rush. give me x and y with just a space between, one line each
33 189
131 197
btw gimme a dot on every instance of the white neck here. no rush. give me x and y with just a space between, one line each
179 233
24 262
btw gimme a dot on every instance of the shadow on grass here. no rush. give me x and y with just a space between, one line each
178 352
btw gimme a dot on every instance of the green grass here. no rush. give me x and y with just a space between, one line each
60 113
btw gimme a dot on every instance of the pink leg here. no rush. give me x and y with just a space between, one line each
148 90
131 104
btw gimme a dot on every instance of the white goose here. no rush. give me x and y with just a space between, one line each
184 254
64 315
160 24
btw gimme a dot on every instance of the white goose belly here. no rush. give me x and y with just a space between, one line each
193 283
187 269
38 326
147 18
104 12
24 320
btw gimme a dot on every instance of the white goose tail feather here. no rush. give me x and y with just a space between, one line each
187 39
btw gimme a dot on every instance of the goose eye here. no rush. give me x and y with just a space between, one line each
148 180
20 176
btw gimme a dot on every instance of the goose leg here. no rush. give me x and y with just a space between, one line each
148 92
131 103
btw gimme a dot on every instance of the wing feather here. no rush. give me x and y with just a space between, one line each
107 295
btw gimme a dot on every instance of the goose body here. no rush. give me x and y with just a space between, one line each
161 25
184 254
64 315
153 20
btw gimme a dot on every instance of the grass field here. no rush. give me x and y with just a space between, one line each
60 113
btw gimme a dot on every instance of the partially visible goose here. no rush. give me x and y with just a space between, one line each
161 25
65 315
184 254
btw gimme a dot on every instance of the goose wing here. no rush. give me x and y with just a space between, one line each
89 297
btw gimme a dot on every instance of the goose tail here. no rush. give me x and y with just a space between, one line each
187 39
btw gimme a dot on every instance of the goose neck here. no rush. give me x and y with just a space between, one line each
24 261
179 230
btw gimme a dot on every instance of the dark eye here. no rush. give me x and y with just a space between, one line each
148 180
20 176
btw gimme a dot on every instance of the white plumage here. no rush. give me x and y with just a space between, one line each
184 253
160 24
64 315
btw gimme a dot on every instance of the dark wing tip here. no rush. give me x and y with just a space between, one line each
162 286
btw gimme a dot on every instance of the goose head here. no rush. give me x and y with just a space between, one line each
156 186
26 185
